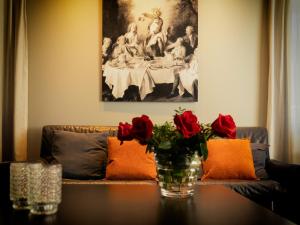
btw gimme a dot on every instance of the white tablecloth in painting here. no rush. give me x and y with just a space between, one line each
143 74
188 76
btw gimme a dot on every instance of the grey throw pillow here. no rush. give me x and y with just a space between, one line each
260 154
82 155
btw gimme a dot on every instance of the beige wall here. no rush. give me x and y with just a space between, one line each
1 67
64 67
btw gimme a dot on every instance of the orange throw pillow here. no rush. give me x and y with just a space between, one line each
129 161
229 159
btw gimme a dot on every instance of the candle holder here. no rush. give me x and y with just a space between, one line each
19 185
45 182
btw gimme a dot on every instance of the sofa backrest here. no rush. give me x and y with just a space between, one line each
257 135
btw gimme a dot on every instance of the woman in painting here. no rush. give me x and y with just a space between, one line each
131 39
155 41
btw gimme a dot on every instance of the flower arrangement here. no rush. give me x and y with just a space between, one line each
178 147
184 136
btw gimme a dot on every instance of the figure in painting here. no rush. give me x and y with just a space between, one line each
188 77
120 53
106 49
179 51
154 43
132 41
190 40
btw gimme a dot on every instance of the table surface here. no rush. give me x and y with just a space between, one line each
142 204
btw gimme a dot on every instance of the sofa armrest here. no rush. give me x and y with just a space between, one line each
288 175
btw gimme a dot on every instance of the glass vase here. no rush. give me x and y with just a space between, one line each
178 177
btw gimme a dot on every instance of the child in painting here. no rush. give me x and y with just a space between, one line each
119 47
178 51
120 53
176 56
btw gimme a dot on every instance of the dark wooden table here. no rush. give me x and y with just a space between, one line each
142 204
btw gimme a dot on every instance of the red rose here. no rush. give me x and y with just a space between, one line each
142 128
187 124
124 132
224 126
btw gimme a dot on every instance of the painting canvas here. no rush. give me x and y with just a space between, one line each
150 50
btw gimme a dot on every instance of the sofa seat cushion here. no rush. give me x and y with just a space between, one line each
253 189
104 181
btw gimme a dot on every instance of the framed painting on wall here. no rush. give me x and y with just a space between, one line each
150 50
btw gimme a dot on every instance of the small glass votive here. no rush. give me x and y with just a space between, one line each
19 185
45 182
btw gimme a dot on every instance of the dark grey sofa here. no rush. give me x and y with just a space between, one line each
271 190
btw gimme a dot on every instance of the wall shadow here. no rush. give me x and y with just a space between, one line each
263 66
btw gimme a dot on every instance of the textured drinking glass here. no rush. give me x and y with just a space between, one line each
19 185
44 188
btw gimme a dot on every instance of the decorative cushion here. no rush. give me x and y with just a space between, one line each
260 153
129 161
229 159
82 155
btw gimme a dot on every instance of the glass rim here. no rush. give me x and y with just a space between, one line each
26 162
18 164
34 164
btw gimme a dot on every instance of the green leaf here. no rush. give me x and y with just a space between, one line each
165 145
179 111
149 148
204 151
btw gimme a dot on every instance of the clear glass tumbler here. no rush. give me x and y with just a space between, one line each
45 182
19 185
